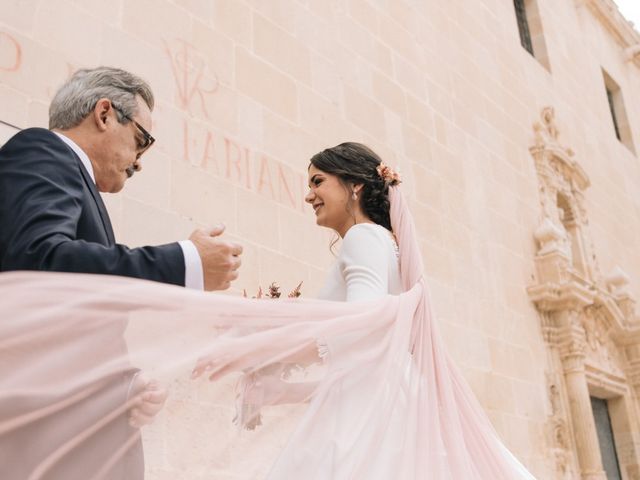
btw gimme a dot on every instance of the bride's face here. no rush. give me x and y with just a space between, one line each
329 199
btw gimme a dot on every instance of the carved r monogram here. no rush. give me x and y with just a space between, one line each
191 75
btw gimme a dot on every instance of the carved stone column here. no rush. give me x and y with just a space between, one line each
573 353
632 353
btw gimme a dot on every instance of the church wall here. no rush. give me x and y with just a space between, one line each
248 90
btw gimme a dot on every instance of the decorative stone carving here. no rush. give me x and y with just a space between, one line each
546 131
617 281
559 431
587 320
628 308
549 236
565 241
630 53
601 352
593 329
561 182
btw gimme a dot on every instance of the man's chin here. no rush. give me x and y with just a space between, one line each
116 187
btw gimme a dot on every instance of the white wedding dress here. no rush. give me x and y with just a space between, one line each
367 268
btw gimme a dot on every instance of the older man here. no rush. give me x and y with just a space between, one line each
51 214
52 218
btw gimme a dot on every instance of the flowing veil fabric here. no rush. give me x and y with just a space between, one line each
391 405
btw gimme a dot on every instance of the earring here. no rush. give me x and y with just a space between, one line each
354 196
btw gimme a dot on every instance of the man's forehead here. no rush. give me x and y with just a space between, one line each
143 115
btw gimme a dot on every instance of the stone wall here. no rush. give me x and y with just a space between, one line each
248 90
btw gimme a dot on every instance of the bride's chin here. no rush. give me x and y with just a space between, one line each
324 225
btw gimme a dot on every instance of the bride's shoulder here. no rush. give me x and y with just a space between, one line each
367 232
367 244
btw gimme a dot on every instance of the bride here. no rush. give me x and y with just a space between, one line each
369 423
388 402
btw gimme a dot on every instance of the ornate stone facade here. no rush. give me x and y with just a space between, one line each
589 322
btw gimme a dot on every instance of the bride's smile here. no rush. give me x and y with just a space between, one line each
334 201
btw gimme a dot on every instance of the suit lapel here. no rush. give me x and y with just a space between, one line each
104 215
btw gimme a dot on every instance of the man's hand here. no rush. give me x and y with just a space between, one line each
149 402
220 258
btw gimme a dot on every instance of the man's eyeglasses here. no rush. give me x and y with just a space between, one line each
148 139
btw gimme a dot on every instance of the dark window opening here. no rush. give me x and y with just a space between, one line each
618 112
605 438
523 25
613 113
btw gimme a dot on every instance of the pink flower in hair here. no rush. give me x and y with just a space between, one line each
388 174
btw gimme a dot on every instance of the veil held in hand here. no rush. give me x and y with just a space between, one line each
72 344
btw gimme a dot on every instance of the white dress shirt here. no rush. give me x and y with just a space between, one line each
193 275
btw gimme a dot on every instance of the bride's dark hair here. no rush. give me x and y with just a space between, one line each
355 163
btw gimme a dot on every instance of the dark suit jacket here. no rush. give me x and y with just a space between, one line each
52 217
24 449
66 390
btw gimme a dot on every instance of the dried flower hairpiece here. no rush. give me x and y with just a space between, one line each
388 174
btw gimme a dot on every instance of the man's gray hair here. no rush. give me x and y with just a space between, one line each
77 98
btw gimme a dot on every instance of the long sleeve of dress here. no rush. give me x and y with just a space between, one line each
362 274
364 262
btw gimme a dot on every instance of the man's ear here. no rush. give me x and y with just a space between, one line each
101 113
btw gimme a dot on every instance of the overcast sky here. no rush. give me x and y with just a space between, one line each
631 10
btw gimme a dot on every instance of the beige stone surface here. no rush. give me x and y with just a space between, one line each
248 90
